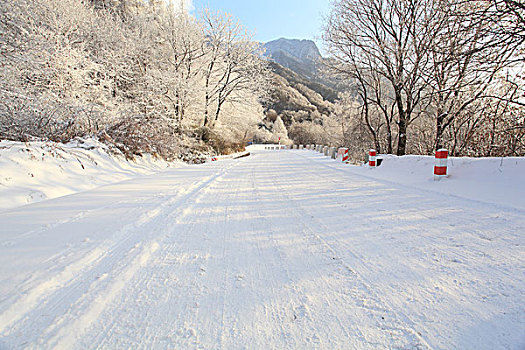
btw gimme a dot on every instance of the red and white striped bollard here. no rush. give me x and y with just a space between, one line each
440 165
372 156
345 155
343 152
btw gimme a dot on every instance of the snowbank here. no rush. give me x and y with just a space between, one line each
31 172
492 180
230 156
40 170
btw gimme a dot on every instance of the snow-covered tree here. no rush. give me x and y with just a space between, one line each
131 71
429 70
234 65
279 131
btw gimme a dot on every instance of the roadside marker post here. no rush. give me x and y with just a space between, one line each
346 156
333 152
372 157
440 165
343 152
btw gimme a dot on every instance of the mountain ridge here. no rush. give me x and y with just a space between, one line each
303 57
301 49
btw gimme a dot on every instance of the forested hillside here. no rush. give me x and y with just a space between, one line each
144 76
414 76
430 74
147 77
302 95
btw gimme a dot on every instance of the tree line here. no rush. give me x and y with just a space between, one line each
144 75
427 74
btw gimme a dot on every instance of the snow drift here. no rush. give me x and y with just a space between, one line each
31 172
492 180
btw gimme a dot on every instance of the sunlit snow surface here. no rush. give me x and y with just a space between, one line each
280 250
35 171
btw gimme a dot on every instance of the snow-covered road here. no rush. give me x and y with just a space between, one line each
281 250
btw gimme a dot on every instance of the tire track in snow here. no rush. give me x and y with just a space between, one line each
398 322
258 280
286 321
264 225
39 285
67 336
33 295
290 293
468 247
227 280
207 318
31 299
311 256
314 250
53 294
172 253
293 299
157 229
317 228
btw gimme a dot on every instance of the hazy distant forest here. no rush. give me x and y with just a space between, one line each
145 76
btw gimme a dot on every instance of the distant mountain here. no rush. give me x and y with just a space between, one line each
301 93
302 50
300 61
300 56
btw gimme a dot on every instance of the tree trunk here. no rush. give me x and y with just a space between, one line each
207 97
206 109
402 124
373 132
439 130
219 106
402 139
389 149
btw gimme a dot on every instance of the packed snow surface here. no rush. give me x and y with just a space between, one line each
279 250
35 171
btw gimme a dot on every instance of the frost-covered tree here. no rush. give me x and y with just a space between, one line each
464 63
279 130
435 71
387 40
130 71
234 65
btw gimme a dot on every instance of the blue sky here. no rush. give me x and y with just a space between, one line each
272 19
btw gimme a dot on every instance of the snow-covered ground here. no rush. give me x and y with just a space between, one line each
35 171
279 250
492 180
